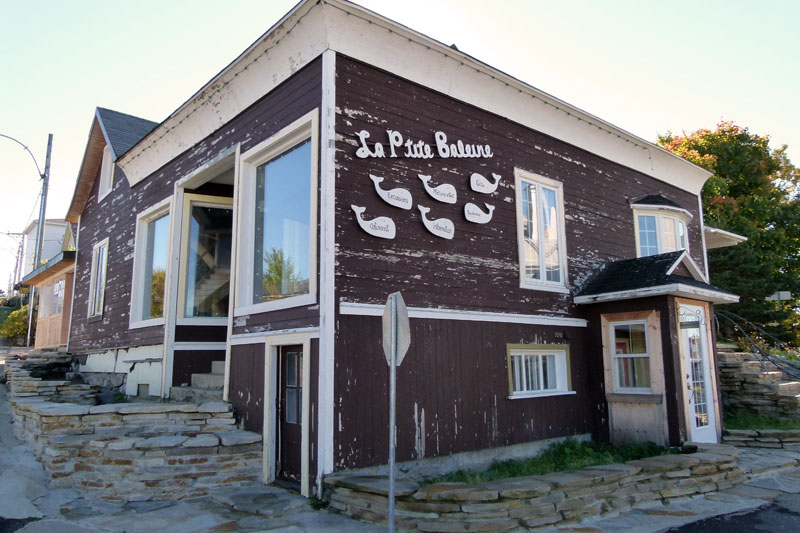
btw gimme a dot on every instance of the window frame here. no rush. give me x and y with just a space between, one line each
523 176
154 212
614 357
197 200
679 215
106 174
304 128
563 369
94 284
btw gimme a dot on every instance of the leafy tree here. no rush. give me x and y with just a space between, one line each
753 192
16 324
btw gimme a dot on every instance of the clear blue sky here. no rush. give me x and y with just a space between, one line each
646 66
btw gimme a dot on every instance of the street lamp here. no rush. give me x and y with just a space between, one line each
45 177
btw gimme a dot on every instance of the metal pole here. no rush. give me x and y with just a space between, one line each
40 233
392 408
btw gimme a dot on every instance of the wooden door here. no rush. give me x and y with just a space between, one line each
289 419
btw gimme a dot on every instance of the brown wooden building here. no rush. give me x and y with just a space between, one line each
554 265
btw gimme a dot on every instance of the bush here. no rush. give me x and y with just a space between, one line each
16 324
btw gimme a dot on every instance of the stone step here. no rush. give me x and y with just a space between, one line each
758 366
789 387
726 348
218 367
208 381
194 394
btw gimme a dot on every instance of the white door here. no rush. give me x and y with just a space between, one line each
701 421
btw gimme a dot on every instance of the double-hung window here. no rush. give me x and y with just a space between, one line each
150 265
540 232
97 279
630 358
538 370
660 232
278 256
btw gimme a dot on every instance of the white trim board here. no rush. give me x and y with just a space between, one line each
674 289
199 346
264 336
430 313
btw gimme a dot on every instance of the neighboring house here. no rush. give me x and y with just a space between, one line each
554 266
57 236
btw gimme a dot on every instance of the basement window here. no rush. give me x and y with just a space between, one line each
538 370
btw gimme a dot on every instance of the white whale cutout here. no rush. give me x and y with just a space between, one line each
382 227
441 227
480 184
475 214
397 197
444 193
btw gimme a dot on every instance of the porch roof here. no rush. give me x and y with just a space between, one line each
672 273
58 264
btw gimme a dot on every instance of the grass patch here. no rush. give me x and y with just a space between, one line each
742 420
566 455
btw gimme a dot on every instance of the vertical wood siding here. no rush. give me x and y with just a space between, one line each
247 385
115 215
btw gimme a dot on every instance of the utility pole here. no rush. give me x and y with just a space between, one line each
45 176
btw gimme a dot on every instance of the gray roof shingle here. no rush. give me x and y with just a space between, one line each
122 130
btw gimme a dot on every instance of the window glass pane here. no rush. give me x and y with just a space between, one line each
670 234
155 268
552 254
291 405
548 372
291 369
45 295
648 240
536 372
530 231
681 236
209 266
57 305
633 372
99 259
283 205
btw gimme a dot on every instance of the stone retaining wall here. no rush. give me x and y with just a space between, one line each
552 499
42 376
139 451
756 387
763 438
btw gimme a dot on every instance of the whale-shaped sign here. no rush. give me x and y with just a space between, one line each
397 197
441 227
480 184
382 227
444 193
473 213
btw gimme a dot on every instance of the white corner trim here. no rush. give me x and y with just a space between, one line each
430 313
675 289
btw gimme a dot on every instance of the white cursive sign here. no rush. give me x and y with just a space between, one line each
382 227
444 193
397 146
483 185
441 227
397 197
473 213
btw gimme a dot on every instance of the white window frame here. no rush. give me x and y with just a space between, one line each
522 176
156 211
106 174
661 213
189 201
97 280
516 352
615 357
304 128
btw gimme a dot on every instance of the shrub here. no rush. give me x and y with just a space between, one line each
16 324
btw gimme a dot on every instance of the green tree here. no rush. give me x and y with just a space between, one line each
16 325
753 192
280 278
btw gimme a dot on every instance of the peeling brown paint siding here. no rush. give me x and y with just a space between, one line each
115 215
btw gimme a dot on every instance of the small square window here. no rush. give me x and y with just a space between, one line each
538 370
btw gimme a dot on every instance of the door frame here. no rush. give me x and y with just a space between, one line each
272 344
711 374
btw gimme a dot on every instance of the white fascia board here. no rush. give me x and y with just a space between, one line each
430 313
363 35
668 208
674 289
719 238
287 47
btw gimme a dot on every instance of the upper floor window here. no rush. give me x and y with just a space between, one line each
150 265
660 226
278 260
540 232
106 174
97 279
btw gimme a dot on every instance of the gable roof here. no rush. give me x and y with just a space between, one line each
333 27
120 132
651 276
656 199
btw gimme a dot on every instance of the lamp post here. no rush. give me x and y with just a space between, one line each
45 177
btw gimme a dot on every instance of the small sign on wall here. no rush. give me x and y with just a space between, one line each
382 227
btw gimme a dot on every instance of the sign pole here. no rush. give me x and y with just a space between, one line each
392 407
396 340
